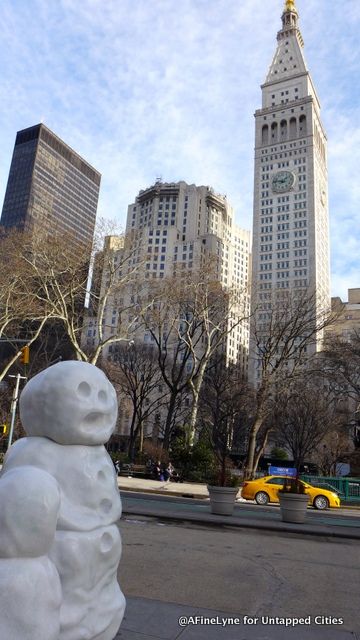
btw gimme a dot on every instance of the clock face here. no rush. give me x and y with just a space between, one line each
282 181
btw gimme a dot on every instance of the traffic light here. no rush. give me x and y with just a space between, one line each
25 355
4 429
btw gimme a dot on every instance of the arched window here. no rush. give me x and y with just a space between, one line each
302 125
292 128
283 130
265 134
274 132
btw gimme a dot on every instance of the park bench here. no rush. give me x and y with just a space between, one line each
143 471
134 470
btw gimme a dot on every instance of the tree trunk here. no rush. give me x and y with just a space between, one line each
169 420
132 438
261 450
250 466
195 388
193 417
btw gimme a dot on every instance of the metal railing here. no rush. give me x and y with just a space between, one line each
347 488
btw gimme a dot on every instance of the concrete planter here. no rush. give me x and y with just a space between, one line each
222 500
293 507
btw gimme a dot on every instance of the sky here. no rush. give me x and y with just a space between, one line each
148 89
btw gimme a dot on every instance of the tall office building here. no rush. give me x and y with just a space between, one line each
290 226
177 223
171 226
50 187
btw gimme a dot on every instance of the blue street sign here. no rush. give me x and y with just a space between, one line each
282 471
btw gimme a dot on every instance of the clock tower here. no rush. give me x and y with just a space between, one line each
290 226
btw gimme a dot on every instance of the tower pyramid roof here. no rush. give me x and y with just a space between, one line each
289 58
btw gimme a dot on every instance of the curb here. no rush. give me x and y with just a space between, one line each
209 519
200 496
176 494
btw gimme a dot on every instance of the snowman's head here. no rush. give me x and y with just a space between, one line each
71 403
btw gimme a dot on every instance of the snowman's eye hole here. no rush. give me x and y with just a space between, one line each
102 396
84 389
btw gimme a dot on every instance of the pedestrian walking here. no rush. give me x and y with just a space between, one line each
168 472
158 471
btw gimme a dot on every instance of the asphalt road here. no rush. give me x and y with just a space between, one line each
246 571
345 517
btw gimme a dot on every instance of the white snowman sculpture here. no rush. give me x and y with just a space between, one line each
59 504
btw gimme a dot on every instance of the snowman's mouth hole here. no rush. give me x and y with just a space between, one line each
95 419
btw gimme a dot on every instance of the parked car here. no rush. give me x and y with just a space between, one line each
264 490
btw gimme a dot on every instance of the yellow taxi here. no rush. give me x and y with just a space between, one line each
264 490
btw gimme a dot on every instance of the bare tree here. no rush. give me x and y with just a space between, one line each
224 399
162 322
213 314
60 284
51 346
332 450
114 297
341 364
189 320
282 347
307 415
45 278
22 314
135 373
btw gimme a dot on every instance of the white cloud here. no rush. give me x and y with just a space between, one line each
143 89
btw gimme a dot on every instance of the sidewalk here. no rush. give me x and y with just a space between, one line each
197 510
182 489
147 619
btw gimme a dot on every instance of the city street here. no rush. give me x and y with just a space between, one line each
256 573
337 521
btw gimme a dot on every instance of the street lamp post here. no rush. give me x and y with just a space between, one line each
14 402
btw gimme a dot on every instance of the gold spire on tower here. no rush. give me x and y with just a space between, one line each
290 5
289 20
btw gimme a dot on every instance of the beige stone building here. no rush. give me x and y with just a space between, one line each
171 228
290 250
348 319
346 324
176 224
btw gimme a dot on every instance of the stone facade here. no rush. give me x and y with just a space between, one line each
290 224
170 228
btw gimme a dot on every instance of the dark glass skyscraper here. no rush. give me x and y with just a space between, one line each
50 187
